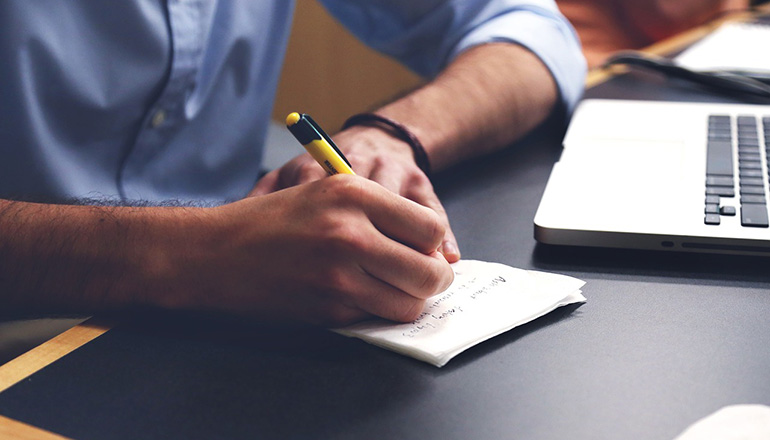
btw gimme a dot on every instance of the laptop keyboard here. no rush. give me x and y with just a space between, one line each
747 134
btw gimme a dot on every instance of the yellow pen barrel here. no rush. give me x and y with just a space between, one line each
325 155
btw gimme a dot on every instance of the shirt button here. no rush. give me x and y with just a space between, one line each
158 118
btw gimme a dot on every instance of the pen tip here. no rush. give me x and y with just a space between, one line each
292 119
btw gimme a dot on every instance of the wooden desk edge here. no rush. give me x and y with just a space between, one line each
599 75
48 352
36 359
12 429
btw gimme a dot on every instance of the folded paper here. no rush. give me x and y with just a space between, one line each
484 300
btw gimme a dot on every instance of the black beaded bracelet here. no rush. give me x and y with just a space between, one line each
396 130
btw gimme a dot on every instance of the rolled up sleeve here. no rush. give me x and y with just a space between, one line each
426 35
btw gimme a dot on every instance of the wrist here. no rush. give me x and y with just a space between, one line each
362 139
142 251
172 257
396 130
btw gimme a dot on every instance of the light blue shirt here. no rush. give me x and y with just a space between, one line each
171 99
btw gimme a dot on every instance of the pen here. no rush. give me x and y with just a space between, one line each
318 144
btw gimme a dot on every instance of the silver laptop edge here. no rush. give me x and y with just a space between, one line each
633 175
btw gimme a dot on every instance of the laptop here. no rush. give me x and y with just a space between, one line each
663 176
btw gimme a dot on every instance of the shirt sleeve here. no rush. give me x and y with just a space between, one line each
425 35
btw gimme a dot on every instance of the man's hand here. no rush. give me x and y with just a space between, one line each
488 97
375 155
329 252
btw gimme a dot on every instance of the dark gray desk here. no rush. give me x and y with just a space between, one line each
664 340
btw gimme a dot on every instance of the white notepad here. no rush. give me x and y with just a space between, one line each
485 300
739 47
733 422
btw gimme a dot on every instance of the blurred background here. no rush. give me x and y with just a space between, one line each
347 77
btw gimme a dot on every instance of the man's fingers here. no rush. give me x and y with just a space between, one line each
299 171
266 185
388 302
383 299
391 179
424 195
418 189
398 239
418 275
405 221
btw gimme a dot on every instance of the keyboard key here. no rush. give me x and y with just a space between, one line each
750 173
747 199
756 181
748 147
754 215
712 199
720 135
721 191
712 209
719 121
720 130
719 158
712 219
752 144
749 157
719 181
752 149
748 190
727 210
750 166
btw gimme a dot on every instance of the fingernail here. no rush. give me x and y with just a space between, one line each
450 251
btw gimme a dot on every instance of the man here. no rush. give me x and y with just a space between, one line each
139 102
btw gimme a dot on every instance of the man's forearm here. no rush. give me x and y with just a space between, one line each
485 99
330 252
59 258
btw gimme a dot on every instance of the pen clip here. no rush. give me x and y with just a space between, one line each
326 137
